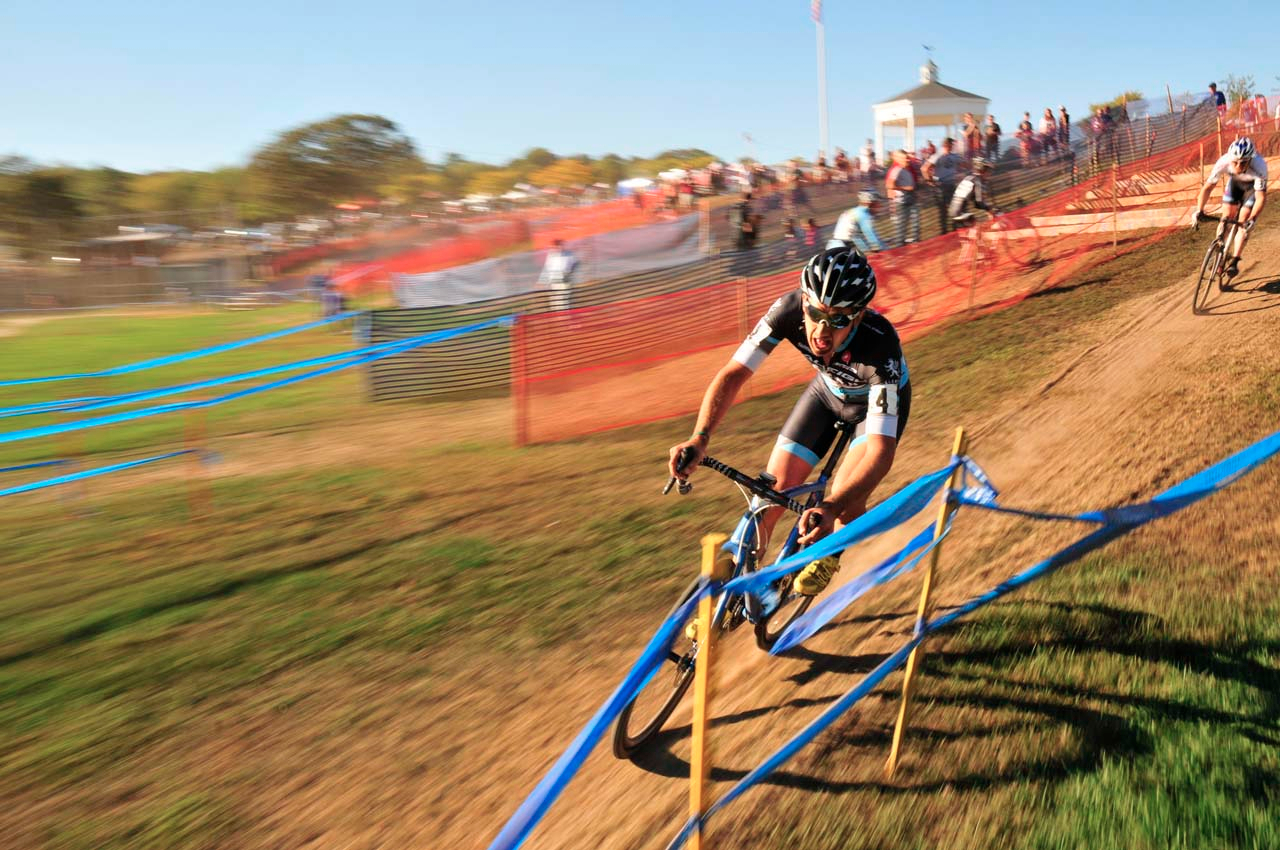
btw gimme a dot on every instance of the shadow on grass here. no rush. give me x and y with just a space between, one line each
1105 725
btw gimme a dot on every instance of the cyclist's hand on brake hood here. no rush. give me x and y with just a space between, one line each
817 523
683 457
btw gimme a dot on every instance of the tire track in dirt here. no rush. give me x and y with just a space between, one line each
1148 381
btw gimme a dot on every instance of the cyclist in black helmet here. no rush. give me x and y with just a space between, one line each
861 380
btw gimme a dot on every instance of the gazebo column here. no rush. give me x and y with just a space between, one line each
911 131
880 142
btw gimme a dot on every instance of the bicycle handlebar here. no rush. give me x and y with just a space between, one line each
755 485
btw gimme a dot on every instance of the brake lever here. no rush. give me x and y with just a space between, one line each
685 486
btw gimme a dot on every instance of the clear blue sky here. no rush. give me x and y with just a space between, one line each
196 85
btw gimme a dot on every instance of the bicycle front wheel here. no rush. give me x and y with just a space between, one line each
790 609
1210 269
643 718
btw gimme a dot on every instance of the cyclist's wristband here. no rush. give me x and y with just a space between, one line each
702 433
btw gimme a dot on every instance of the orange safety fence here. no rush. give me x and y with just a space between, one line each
483 240
596 368
570 223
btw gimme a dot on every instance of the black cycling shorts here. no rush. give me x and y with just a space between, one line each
810 430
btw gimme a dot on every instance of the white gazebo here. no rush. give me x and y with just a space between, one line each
930 104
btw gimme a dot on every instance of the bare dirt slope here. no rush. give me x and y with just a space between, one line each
1135 405
1130 411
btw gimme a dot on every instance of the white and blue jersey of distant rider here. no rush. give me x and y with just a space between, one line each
868 368
1240 187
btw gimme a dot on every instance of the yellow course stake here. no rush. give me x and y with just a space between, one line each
717 566
922 613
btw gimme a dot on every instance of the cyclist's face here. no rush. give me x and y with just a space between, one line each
1240 165
823 338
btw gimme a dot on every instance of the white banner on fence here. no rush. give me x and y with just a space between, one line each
622 252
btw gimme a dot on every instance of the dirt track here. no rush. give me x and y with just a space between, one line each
1131 410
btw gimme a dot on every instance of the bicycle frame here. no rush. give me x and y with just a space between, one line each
741 545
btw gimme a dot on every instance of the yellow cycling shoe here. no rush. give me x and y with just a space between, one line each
814 578
691 630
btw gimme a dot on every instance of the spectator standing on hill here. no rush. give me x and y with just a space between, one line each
942 171
1219 99
1048 135
900 185
1064 129
557 274
972 135
992 139
744 219
928 150
867 157
790 236
1026 135
811 236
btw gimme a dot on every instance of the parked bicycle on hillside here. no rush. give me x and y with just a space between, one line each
769 613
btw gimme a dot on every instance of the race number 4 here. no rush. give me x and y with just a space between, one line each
883 400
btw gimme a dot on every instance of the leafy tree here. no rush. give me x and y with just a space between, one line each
102 191
165 191
1238 88
609 168
565 172
493 182
43 209
310 167
1120 99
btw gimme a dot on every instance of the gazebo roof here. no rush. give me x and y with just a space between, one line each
935 90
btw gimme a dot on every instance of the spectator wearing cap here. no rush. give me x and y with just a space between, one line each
557 275
992 139
1219 99
942 171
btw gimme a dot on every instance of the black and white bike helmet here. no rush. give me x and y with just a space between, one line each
839 277
1242 149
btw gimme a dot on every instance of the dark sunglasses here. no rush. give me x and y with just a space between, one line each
837 321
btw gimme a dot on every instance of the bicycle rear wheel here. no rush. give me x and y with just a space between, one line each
1210 269
643 718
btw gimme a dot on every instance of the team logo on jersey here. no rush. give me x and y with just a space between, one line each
892 370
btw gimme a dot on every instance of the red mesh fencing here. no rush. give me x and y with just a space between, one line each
580 371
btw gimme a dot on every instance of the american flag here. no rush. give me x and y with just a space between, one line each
815 10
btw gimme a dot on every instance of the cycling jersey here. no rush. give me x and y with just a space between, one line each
866 382
1240 187
972 191
855 226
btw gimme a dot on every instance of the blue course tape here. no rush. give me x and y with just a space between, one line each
98 421
895 565
184 356
1192 490
890 513
540 799
88 473
36 465
101 402
908 502
903 505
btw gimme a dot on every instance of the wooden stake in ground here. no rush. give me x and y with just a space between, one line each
944 513
716 566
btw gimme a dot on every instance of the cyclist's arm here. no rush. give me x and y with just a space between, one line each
867 225
1260 200
876 462
1203 197
717 400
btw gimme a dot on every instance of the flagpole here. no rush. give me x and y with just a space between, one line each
823 135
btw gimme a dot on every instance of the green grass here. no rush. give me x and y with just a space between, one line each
1104 708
